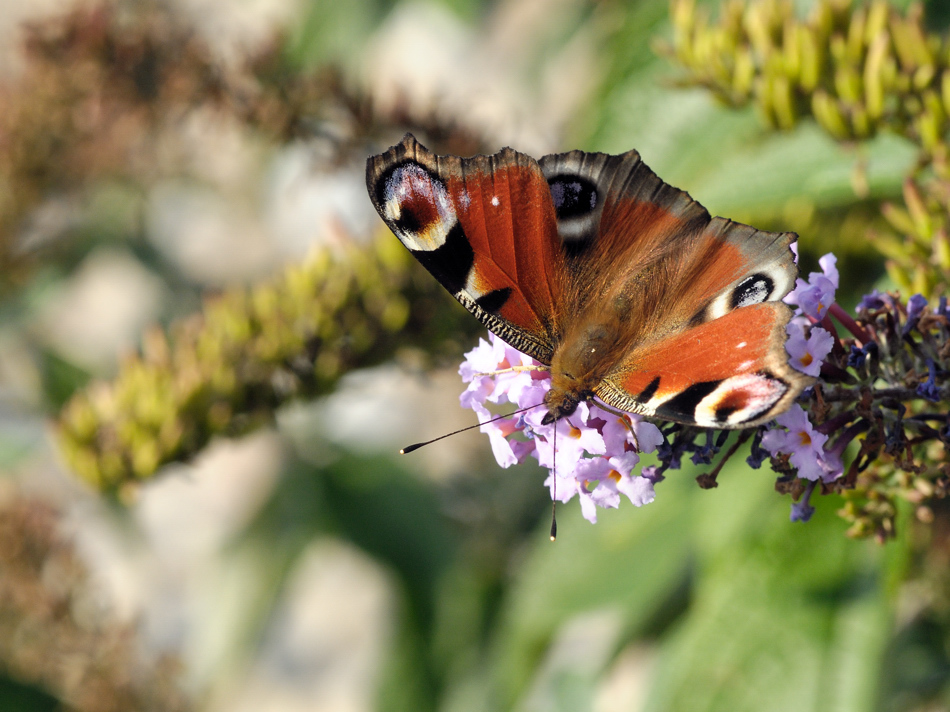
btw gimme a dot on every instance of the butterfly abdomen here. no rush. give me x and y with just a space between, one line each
580 363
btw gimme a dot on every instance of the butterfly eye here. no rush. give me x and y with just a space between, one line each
752 290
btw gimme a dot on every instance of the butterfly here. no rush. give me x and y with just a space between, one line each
622 284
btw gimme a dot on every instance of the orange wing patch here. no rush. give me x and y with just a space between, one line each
508 219
726 373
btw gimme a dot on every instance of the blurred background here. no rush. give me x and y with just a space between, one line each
161 154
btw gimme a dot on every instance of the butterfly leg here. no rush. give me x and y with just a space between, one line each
624 418
514 369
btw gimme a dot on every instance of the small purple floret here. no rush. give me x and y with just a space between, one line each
928 389
871 302
807 354
802 509
816 296
804 444
915 307
758 454
857 357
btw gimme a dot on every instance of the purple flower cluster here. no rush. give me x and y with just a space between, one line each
597 451
808 345
866 384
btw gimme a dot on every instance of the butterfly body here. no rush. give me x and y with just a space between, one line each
622 284
581 362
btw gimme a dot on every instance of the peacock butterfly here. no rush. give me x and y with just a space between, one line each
622 284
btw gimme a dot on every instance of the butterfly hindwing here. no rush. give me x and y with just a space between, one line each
727 372
715 355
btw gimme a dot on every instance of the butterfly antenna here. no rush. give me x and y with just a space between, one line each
554 492
410 448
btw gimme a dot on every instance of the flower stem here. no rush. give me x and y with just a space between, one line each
708 481
849 323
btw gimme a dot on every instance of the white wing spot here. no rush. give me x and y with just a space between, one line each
473 288
495 201
741 346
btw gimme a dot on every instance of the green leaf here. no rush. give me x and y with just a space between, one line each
784 616
623 571
60 378
19 697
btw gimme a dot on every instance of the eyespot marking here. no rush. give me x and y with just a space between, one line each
739 399
573 196
418 207
752 290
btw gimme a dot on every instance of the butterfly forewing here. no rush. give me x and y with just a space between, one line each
485 228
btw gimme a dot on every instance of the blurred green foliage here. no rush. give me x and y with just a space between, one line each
227 372
738 610
16 696
857 72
